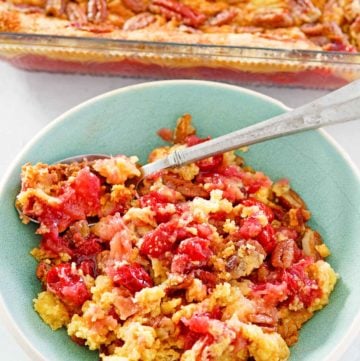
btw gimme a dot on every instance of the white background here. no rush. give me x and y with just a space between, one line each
29 101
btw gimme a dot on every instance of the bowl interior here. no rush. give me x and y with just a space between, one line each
125 121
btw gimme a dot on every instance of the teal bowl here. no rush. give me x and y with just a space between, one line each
125 121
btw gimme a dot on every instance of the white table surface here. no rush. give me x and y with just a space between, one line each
29 101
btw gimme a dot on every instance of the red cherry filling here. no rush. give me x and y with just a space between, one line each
132 276
67 284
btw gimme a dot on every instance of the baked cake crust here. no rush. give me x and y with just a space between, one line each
284 24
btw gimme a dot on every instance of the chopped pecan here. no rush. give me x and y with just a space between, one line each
97 11
188 15
41 271
262 274
139 21
137 6
55 7
283 255
290 199
76 13
186 188
182 284
223 17
264 318
209 279
249 256
310 240
232 262
295 219
261 319
183 129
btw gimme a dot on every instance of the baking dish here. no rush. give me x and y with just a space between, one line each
132 58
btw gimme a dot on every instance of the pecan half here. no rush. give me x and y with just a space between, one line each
97 11
55 7
304 11
139 21
283 255
75 13
272 18
188 15
223 17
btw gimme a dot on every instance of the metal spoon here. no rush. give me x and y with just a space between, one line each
340 106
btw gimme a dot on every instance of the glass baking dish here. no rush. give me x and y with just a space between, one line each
236 64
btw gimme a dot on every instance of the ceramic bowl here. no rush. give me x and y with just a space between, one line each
125 121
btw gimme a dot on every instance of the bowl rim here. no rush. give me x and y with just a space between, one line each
5 315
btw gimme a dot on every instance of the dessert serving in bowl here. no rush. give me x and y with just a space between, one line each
286 42
211 259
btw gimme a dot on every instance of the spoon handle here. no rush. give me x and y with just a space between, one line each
340 106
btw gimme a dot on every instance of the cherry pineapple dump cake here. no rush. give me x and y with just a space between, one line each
328 25
210 261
